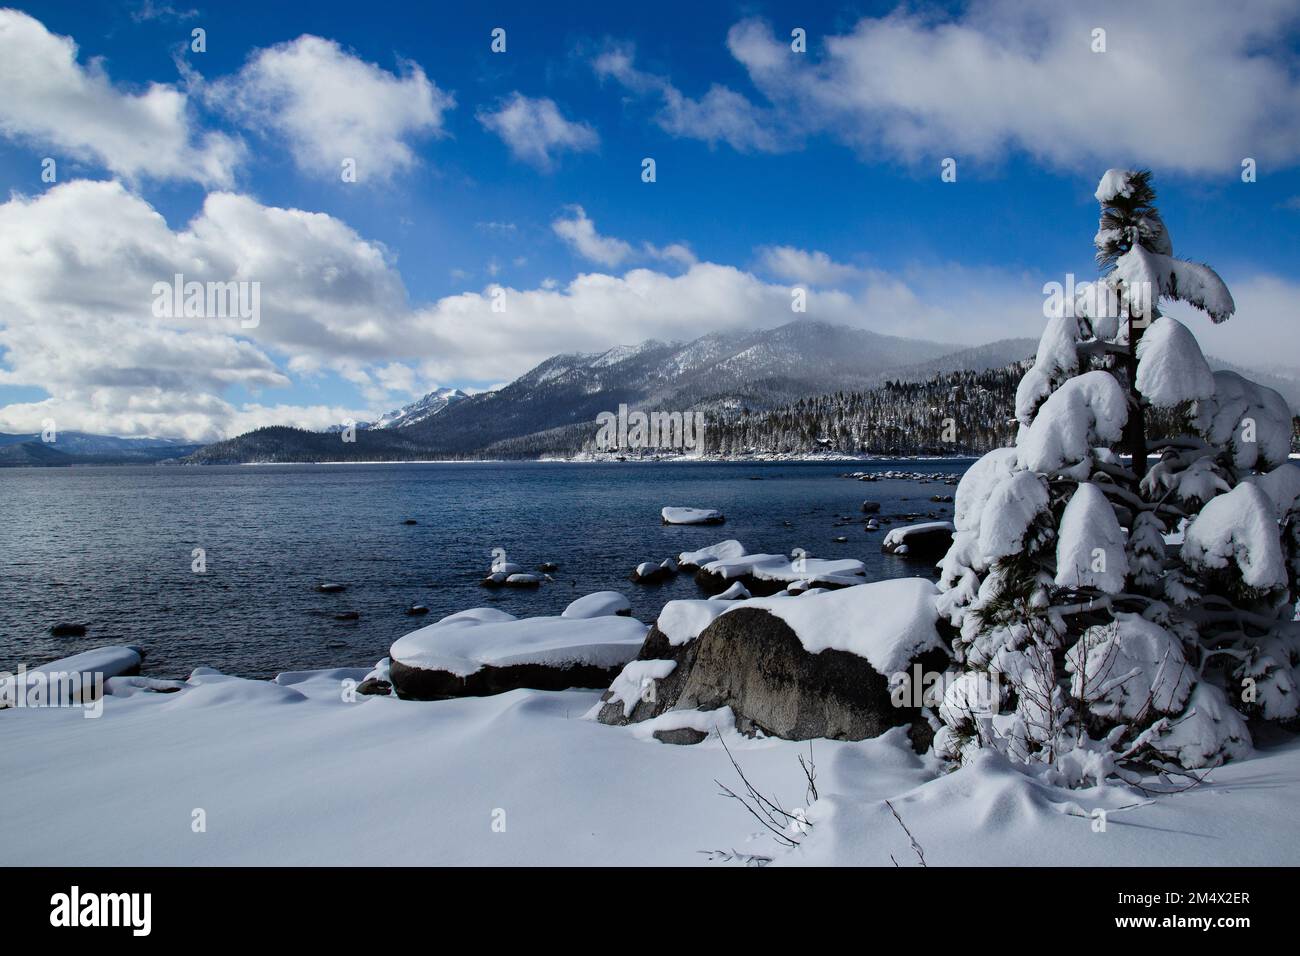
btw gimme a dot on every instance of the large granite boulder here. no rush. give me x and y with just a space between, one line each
818 665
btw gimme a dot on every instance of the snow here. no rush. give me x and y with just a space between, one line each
1171 369
978 483
421 783
1155 275
633 680
777 567
465 642
599 604
1091 547
898 536
1282 485
1008 513
691 515
1238 529
887 622
106 661
723 549
83 677
1087 410
722 720
736 592
1240 407
1114 184
1057 359
1128 669
682 621
1208 732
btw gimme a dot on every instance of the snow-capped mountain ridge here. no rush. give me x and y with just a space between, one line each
436 401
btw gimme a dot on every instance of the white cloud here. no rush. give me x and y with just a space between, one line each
811 267
329 105
50 100
535 130
721 115
580 232
1182 86
76 314
1264 333
77 318
1003 75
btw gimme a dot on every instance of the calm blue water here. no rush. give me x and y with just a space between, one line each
111 547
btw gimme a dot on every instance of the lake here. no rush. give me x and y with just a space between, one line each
111 547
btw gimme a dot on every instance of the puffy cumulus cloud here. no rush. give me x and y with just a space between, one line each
535 130
812 267
721 115
78 317
1007 75
49 99
329 105
578 231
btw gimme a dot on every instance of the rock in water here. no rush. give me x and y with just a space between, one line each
692 516
647 572
926 542
870 507
599 604
64 629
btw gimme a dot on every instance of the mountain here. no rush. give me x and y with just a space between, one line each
797 388
433 403
83 448
554 404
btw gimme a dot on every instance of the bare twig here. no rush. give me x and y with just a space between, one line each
916 847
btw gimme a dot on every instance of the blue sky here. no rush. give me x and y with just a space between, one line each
773 169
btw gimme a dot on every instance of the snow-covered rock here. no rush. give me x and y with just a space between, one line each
692 516
924 541
599 604
736 592
647 572
90 670
485 651
819 664
771 573
723 550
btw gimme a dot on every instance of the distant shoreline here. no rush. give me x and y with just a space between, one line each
629 461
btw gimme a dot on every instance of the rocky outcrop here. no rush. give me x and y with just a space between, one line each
752 661
416 683
924 542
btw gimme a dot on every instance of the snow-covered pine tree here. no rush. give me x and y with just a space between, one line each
1111 617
